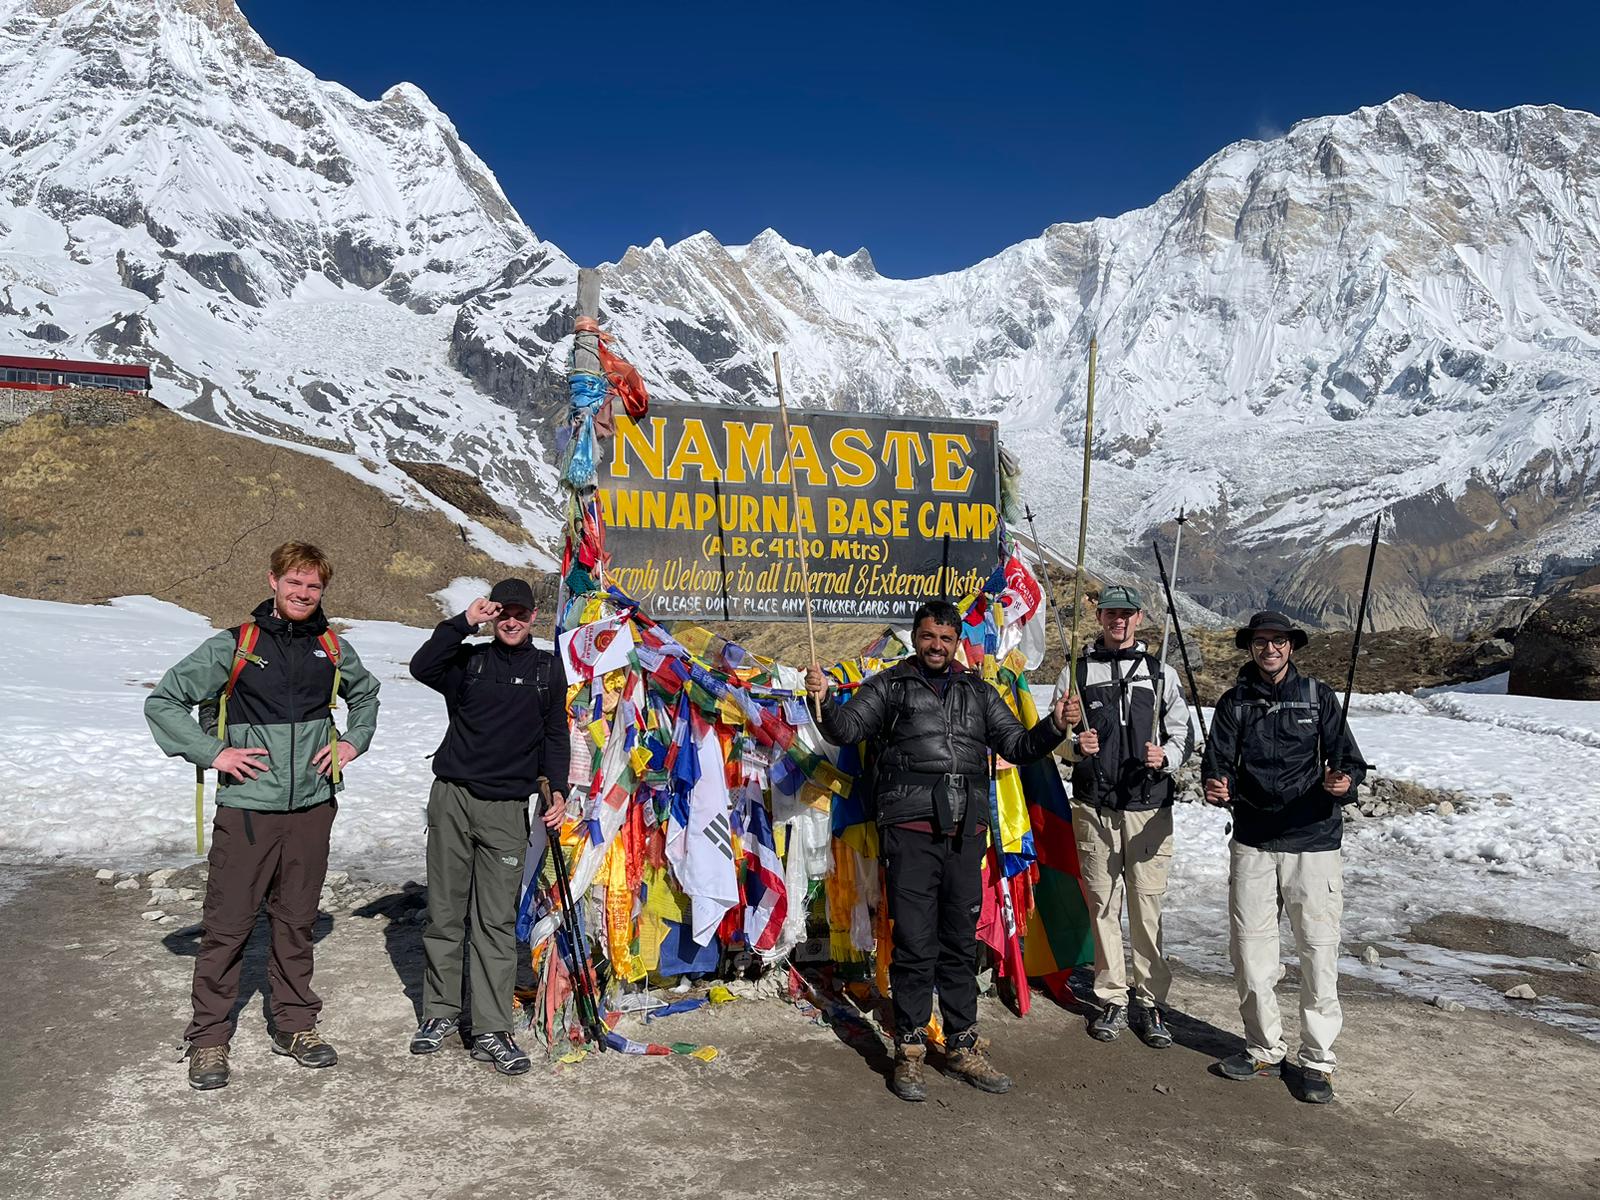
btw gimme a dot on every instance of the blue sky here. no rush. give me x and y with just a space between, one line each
934 135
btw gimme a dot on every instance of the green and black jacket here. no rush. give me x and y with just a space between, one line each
280 703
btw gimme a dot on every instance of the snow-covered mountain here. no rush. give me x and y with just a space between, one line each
1397 309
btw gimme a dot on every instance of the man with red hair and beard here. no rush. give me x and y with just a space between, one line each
279 760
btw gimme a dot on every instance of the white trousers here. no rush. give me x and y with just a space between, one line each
1311 892
1125 852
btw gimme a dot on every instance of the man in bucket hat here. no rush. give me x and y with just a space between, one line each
1122 791
1280 755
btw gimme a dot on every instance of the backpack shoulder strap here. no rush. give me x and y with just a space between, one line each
1158 684
329 641
1316 713
243 652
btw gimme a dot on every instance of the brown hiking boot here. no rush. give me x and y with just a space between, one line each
907 1081
208 1067
968 1058
306 1047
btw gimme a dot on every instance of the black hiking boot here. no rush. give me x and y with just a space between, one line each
1147 1023
306 1047
431 1034
208 1067
499 1049
1113 1019
1313 1086
907 1081
1243 1066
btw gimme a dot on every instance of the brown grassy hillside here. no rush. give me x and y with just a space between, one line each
139 501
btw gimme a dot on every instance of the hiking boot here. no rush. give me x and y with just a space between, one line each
430 1035
1113 1019
1315 1087
208 1067
504 1053
1152 1030
1243 1066
907 1082
306 1047
968 1058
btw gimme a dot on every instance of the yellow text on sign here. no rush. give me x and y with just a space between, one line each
751 452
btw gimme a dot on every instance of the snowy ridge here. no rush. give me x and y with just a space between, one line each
1395 309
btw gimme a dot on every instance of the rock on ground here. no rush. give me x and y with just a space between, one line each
1558 649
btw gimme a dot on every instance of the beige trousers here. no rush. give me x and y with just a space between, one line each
1312 892
1129 851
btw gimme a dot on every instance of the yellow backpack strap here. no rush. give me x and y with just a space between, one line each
243 652
330 646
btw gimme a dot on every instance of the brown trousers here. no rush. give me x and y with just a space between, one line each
279 857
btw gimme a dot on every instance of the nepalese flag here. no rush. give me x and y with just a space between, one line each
766 895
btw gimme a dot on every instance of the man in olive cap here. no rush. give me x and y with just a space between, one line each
507 702
1280 755
1122 791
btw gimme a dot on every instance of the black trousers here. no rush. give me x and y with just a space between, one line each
935 888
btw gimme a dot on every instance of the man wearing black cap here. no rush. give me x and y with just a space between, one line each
1122 791
508 726
1280 755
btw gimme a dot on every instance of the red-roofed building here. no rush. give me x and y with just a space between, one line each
47 374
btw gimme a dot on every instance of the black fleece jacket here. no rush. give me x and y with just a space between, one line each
505 729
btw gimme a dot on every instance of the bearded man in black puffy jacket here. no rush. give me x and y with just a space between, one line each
935 725
1282 757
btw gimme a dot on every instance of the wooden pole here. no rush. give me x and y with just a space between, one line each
799 534
585 361
586 345
1083 522
1049 588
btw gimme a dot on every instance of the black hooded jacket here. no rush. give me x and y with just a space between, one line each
1271 742
508 712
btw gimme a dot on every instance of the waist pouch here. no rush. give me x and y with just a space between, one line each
958 800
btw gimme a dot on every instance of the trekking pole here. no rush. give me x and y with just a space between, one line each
799 534
1083 523
584 985
1177 549
1177 629
1355 649
1161 663
1044 565
1172 616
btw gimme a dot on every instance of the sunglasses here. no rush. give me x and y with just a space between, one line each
1262 643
